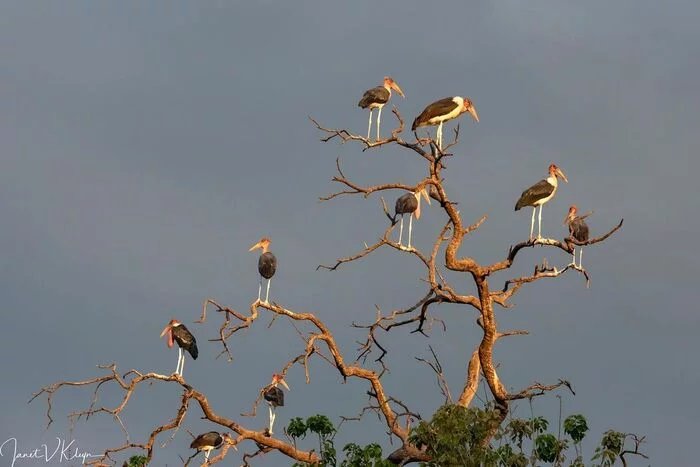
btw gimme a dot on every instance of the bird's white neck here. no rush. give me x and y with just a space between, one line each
552 180
388 88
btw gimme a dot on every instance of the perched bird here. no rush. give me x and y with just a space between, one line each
578 229
207 442
267 265
410 204
376 98
540 193
443 110
275 396
177 332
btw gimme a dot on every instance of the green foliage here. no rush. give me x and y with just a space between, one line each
323 427
369 456
136 461
576 427
610 447
455 436
547 447
508 458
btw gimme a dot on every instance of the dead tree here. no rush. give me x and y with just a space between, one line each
319 342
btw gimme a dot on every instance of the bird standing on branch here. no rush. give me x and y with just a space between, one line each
207 442
410 204
443 110
578 229
540 193
267 265
177 332
275 396
376 98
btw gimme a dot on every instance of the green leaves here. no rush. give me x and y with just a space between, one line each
547 447
576 427
610 447
370 456
136 461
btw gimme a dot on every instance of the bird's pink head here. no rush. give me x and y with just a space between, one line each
390 83
468 106
263 244
169 331
279 379
555 171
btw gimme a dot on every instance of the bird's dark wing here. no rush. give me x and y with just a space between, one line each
275 396
378 95
211 438
441 107
579 229
186 340
405 204
267 265
536 192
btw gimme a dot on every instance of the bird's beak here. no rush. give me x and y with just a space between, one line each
284 383
472 110
257 245
425 194
561 174
568 218
397 89
169 331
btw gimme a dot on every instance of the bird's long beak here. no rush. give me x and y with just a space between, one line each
257 245
472 110
284 383
569 217
169 331
561 174
396 88
425 194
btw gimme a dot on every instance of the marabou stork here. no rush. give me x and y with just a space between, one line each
207 442
177 332
376 98
443 110
410 204
540 193
275 396
578 229
267 265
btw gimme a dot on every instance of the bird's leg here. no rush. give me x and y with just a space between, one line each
272 417
539 223
439 136
369 125
267 294
573 261
532 222
379 118
580 257
179 357
401 230
182 364
410 229
206 455
259 287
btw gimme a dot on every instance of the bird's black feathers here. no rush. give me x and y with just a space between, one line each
267 265
536 192
378 95
184 338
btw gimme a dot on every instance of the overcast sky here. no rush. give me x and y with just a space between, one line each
147 145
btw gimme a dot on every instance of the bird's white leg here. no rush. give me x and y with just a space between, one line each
539 223
259 287
179 357
532 222
206 455
439 136
182 364
401 230
267 294
574 257
580 257
410 229
269 409
379 118
369 125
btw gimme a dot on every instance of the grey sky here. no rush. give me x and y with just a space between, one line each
146 146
